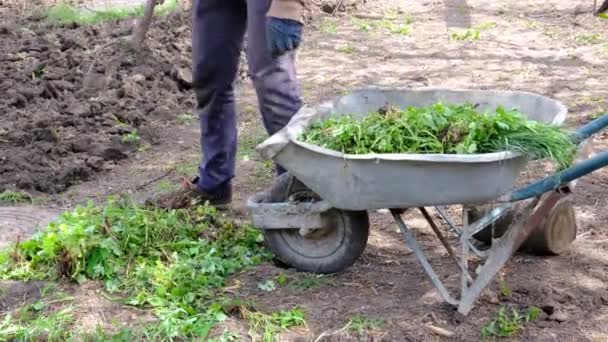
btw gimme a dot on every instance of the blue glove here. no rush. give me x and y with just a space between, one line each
282 35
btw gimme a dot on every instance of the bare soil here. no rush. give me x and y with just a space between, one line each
555 48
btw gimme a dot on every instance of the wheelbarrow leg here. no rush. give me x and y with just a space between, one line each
411 242
504 247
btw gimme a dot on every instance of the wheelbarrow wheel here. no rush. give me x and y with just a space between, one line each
553 236
330 249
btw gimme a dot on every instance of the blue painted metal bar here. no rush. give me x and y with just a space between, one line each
591 128
557 180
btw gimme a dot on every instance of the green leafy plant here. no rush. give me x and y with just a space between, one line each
468 34
10 196
444 129
473 33
171 262
267 286
131 137
268 326
507 324
281 279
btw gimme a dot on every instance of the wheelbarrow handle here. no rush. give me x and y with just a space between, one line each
591 128
557 180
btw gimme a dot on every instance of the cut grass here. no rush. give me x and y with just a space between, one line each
269 326
443 129
30 324
14 197
68 14
172 263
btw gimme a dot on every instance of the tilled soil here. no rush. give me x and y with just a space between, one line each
77 100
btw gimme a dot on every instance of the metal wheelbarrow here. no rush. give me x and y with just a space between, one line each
318 221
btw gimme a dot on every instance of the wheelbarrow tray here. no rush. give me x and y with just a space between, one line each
377 181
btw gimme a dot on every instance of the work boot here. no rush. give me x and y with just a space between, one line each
190 195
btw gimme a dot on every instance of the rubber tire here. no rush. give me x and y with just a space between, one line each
356 232
540 241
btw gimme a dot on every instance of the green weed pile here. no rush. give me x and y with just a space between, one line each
171 262
446 129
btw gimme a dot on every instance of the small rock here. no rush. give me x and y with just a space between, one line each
184 75
139 78
559 316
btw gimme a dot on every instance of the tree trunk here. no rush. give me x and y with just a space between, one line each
139 34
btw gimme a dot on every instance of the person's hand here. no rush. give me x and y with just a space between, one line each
282 35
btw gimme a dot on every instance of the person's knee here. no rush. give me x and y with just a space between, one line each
213 79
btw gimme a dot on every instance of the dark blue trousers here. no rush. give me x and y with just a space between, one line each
217 37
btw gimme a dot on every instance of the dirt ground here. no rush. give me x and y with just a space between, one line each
555 48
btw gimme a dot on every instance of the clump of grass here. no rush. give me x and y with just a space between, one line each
171 262
10 196
507 324
68 14
360 324
444 129
268 326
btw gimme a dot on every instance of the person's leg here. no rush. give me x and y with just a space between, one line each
274 79
217 37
